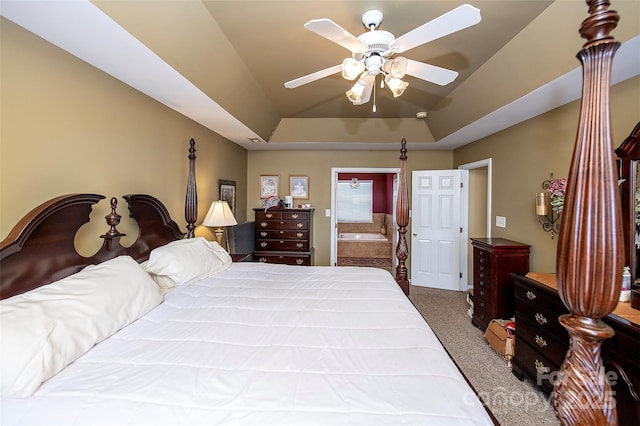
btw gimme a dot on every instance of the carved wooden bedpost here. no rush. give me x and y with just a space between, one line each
191 202
590 247
402 218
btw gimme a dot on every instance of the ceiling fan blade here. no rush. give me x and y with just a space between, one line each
437 75
335 33
366 94
312 77
452 21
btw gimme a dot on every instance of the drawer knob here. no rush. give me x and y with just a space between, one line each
542 320
263 224
540 367
531 295
269 215
299 261
299 234
263 259
299 245
281 232
540 341
295 215
263 234
263 244
299 225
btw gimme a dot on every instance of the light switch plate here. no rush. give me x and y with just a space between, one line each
501 221
327 212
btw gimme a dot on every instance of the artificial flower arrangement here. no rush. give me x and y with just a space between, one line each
557 188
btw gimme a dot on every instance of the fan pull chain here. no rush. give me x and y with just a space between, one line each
374 96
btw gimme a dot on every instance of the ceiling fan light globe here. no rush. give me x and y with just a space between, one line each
351 68
355 93
396 67
396 86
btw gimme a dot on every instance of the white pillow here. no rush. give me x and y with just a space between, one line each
188 260
44 330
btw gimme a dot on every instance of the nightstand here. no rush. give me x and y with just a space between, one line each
240 257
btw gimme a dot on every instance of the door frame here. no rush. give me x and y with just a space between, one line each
334 186
464 251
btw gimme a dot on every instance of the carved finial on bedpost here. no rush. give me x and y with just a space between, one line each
112 237
402 218
191 202
591 229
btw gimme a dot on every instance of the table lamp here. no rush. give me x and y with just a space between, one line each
219 215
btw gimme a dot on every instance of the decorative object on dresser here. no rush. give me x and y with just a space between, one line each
284 236
219 215
493 260
543 342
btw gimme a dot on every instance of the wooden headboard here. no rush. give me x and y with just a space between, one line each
40 248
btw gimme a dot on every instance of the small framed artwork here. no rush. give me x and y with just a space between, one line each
227 192
299 187
269 185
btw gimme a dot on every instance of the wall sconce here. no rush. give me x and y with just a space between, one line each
548 217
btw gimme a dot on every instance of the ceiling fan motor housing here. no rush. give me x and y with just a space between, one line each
378 41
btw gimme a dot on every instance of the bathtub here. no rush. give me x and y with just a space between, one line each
361 236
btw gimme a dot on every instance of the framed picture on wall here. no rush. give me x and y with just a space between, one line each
299 187
227 192
269 185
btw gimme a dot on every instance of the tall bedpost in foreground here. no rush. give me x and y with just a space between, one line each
402 218
590 247
191 202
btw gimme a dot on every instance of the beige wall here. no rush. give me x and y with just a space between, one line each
525 155
69 128
317 165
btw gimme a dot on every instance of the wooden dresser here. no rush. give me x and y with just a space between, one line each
541 342
284 236
493 260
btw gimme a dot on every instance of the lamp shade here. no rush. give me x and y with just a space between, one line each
219 214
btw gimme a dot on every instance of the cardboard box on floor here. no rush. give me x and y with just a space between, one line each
500 340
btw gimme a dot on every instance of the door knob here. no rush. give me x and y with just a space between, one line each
415 234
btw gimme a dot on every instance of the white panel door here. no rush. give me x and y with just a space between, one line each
436 228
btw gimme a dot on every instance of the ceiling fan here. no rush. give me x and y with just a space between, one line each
372 53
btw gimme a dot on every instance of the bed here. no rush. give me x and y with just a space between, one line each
171 331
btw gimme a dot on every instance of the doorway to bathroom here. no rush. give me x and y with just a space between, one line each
363 226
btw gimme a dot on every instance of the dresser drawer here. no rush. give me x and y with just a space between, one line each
288 215
282 224
539 368
288 259
282 245
268 215
543 318
481 316
543 342
272 234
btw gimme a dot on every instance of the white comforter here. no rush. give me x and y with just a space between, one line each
262 344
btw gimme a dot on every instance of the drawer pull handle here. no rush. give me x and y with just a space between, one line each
481 260
263 259
281 223
299 245
281 242
263 244
541 319
541 368
263 224
299 261
295 215
299 234
540 341
269 215
481 292
281 232
263 234
531 295
299 225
